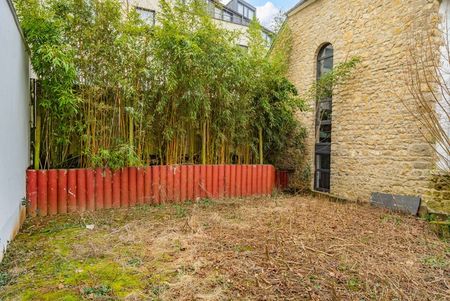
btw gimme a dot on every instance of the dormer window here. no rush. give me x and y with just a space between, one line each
246 11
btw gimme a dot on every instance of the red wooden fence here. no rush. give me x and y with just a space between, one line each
51 192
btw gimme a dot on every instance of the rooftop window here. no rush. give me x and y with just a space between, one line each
246 11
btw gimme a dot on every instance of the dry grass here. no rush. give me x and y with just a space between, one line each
293 248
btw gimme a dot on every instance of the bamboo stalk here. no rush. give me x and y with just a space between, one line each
37 142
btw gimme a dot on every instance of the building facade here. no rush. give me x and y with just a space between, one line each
14 123
235 16
364 140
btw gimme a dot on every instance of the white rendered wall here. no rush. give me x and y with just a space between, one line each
444 108
14 124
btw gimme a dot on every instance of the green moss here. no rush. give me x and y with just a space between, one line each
62 295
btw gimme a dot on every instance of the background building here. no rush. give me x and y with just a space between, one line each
236 15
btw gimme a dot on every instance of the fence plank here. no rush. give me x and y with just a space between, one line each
124 188
42 193
32 189
72 190
132 186
107 188
156 178
140 186
99 189
116 188
148 185
62 191
90 189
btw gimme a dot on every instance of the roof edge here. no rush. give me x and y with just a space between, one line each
299 6
16 20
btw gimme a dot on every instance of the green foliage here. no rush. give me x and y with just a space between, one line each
324 87
4 278
122 155
117 92
99 291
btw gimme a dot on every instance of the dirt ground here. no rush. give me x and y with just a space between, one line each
285 248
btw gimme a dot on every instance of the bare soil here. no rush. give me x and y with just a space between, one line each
285 248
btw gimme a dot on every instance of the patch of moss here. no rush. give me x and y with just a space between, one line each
62 295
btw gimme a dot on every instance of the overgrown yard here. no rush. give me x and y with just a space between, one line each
260 249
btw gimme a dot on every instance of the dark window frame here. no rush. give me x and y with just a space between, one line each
322 177
137 8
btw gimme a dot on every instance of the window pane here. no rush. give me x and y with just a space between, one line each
325 133
325 61
322 180
148 16
323 162
227 16
325 110
240 9
217 13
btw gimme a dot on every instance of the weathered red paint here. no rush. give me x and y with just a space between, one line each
190 182
265 173
90 189
244 181
124 188
233 184
203 181
71 190
215 182
32 189
272 179
221 181
52 191
211 174
116 188
148 185
163 184
99 189
260 186
176 184
248 181
254 190
62 191
107 188
132 186
170 182
42 181
184 182
81 190
140 186
156 182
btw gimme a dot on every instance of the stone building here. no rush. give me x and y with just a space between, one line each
368 140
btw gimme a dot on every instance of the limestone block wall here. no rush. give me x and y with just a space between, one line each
376 144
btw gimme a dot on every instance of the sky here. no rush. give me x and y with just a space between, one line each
267 10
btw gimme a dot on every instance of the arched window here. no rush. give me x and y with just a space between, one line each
323 124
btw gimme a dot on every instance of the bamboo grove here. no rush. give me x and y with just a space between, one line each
114 91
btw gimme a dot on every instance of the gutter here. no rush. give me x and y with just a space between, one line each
299 6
